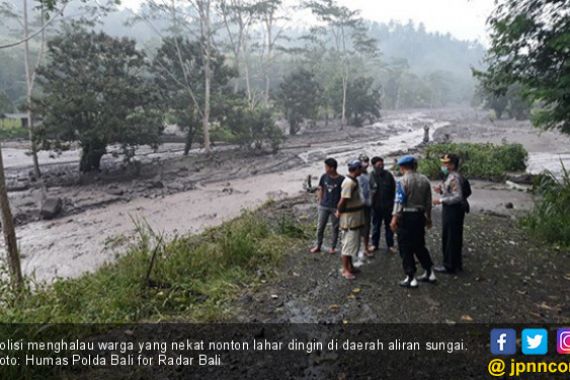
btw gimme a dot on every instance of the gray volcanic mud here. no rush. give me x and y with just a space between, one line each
179 195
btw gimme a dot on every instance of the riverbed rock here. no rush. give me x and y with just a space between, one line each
522 179
51 208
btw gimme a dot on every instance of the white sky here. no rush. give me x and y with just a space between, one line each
464 19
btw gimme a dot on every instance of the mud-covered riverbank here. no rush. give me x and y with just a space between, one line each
180 195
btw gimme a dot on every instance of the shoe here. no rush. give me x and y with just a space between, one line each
358 263
428 277
391 250
409 282
442 269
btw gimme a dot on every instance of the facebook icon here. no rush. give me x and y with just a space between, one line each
503 342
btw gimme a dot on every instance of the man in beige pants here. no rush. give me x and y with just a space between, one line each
351 214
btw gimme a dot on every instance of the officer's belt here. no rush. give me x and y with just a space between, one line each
413 209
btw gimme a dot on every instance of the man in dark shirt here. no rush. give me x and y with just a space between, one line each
328 196
383 190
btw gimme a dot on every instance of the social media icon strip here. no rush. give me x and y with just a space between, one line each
503 341
534 341
563 341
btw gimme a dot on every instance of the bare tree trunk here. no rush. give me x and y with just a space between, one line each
205 16
29 89
269 26
12 256
344 94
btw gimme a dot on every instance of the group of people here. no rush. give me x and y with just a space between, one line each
359 203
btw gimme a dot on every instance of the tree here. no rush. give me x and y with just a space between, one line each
511 101
349 37
13 257
178 72
269 11
48 13
238 17
363 100
529 47
252 129
299 97
94 92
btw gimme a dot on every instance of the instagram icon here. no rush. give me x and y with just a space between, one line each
563 341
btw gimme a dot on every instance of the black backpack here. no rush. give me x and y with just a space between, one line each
466 191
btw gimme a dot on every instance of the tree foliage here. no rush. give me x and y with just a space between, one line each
95 92
363 100
530 43
299 98
253 130
178 71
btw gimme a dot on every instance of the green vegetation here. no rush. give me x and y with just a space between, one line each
12 129
93 93
194 278
299 96
550 219
532 52
482 161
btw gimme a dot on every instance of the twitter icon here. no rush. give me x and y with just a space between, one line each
534 341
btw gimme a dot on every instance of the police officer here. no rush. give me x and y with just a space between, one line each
452 216
410 217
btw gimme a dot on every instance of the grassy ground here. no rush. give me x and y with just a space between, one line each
194 278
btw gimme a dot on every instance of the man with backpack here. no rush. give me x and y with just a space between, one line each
350 211
454 192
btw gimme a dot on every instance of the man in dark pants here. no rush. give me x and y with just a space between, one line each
411 216
452 216
383 190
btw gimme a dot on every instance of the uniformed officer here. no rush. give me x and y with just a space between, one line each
410 217
452 216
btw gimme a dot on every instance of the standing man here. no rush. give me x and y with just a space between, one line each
328 196
351 214
383 190
411 216
453 215
364 186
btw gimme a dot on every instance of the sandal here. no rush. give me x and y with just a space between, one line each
349 276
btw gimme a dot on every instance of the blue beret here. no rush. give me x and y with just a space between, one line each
354 164
407 160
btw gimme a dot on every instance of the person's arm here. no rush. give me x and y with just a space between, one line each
319 191
373 188
455 194
392 184
428 205
345 195
398 206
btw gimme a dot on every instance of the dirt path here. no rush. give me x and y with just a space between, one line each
508 277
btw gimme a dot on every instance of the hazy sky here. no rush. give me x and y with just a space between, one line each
464 19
